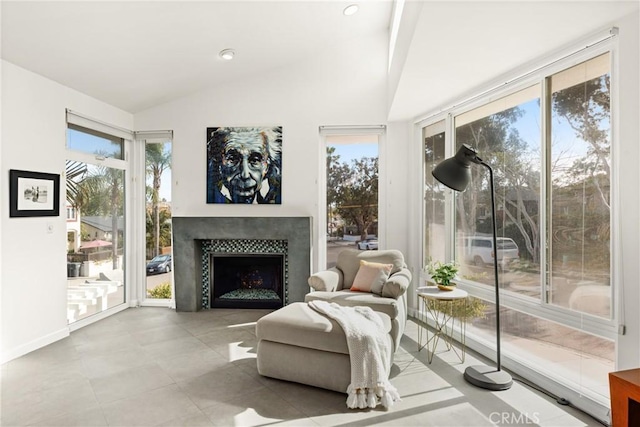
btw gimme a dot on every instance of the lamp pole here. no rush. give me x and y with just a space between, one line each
495 262
484 376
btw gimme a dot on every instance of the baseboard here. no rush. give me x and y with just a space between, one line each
150 302
9 355
97 317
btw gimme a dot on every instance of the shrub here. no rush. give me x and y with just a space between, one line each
474 308
163 290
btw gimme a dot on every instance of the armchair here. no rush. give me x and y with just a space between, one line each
335 285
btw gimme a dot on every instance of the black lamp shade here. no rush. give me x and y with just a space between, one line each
455 172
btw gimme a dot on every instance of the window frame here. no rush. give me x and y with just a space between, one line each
354 130
124 165
605 328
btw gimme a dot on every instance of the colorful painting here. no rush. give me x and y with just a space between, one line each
244 165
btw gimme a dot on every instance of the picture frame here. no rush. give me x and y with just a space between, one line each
244 165
33 194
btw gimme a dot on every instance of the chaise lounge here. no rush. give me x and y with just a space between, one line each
296 343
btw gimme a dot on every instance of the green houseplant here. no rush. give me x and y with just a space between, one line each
443 274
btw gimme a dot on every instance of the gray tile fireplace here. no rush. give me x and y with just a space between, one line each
198 242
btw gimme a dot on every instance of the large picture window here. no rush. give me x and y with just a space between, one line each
549 143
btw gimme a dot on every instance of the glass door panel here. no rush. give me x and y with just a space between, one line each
580 238
96 230
96 233
433 137
159 262
352 193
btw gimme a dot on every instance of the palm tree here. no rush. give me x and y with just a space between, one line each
101 193
157 161
74 173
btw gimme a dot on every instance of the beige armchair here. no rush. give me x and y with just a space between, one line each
334 285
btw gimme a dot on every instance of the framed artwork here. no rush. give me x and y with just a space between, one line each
244 165
33 194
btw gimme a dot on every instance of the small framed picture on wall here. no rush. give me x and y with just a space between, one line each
33 194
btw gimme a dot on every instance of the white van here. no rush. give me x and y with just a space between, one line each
479 250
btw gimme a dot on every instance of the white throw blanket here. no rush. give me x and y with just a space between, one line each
369 351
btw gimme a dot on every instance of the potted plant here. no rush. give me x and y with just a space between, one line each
443 274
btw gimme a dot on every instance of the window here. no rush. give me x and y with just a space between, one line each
71 213
579 177
98 143
434 202
351 193
96 185
158 250
547 138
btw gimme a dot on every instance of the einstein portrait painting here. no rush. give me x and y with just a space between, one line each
244 165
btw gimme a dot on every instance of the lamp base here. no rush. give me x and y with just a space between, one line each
488 378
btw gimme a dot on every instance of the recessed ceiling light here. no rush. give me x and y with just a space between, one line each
350 10
227 54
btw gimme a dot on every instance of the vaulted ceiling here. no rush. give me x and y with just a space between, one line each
135 55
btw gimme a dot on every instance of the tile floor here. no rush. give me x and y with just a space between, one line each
156 367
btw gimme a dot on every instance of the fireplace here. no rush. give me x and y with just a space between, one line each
197 241
244 273
246 281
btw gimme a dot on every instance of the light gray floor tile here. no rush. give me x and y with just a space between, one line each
253 409
192 364
49 403
159 333
191 420
117 361
21 379
150 408
101 346
89 418
155 366
175 347
221 385
129 382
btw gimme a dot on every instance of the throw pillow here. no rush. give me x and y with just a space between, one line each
371 277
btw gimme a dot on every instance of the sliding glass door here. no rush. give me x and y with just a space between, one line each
96 227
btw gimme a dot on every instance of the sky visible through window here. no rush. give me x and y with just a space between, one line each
349 152
87 143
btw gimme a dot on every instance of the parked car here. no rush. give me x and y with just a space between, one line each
370 244
479 250
159 264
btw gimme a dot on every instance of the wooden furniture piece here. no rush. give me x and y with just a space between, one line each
625 398
445 321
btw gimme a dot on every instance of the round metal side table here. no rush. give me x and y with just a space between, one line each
445 320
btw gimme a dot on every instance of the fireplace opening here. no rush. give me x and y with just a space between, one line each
247 281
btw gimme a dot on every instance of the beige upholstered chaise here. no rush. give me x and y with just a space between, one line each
334 285
296 343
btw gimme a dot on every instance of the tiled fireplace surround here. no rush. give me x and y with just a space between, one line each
190 232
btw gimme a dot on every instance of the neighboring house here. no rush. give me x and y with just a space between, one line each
100 227
73 228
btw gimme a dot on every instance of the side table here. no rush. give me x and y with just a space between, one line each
445 321
625 398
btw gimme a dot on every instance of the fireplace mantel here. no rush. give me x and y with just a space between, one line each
188 232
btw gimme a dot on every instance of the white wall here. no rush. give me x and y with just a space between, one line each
33 276
629 182
346 86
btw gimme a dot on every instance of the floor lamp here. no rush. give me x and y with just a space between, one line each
455 173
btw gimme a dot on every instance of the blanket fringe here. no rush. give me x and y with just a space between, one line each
361 398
